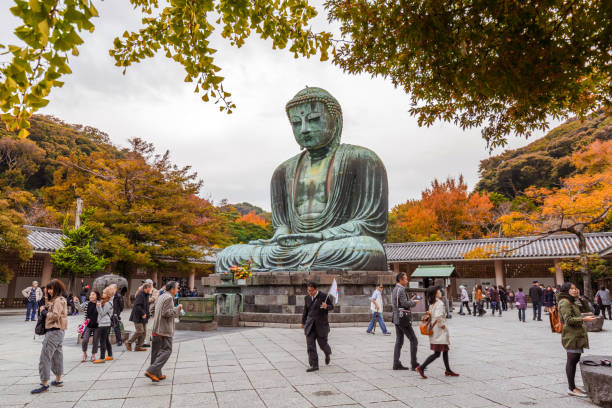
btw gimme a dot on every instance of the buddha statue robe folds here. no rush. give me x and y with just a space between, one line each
329 203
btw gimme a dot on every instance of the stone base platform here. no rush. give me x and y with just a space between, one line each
196 326
277 298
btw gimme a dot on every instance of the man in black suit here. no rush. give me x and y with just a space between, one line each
316 327
535 293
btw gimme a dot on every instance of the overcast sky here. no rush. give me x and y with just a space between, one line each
236 154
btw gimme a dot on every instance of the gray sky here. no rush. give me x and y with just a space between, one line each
236 154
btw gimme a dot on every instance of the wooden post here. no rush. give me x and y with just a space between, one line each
558 272
191 279
46 271
396 268
499 272
154 279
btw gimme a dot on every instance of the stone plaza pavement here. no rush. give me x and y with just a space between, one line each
502 362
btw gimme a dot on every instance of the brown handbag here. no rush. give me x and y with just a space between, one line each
426 327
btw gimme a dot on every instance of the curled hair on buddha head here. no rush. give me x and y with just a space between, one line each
315 94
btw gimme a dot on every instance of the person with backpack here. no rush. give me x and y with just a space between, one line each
503 297
574 336
55 315
33 294
495 300
140 316
439 339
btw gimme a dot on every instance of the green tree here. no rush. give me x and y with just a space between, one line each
505 65
78 256
181 29
14 246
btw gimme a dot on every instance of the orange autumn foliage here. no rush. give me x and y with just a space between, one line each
253 219
445 211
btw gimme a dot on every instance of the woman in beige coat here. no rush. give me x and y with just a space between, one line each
439 339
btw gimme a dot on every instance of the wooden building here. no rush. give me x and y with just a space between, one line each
45 241
516 262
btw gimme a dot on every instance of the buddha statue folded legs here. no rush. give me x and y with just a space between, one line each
329 202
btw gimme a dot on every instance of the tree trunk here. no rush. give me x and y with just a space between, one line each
584 265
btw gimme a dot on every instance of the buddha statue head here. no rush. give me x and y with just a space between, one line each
315 117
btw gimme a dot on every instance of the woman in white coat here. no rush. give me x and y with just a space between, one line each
440 339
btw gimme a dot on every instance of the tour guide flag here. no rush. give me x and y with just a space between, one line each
333 290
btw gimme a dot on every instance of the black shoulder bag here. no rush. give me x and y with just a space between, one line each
40 325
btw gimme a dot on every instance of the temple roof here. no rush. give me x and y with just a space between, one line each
553 246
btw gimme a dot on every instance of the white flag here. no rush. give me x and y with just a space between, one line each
333 291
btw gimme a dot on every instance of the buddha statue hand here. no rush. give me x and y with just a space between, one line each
294 240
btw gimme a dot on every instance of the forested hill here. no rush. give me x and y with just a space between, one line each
543 162
29 164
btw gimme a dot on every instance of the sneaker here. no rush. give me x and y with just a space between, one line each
387 334
57 383
109 358
576 393
162 377
151 376
99 361
128 346
140 349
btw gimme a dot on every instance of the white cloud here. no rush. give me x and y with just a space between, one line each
236 154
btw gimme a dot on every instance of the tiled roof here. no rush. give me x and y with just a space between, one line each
554 246
45 239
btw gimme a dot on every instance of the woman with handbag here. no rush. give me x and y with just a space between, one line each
90 310
439 338
101 335
55 315
574 337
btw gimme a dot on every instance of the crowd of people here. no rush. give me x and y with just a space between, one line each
102 312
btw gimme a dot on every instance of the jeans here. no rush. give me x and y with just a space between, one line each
31 310
377 316
87 333
399 342
603 311
537 310
83 299
467 305
496 306
101 339
521 315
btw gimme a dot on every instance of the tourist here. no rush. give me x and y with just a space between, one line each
495 300
548 300
465 301
439 340
376 308
84 291
511 297
317 306
164 312
400 302
90 310
503 297
140 316
521 304
194 293
486 293
152 299
474 303
55 313
33 295
102 333
535 293
116 317
603 296
574 336
479 301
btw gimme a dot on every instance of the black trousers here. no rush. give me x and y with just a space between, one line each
101 339
117 330
570 369
400 332
312 339
435 355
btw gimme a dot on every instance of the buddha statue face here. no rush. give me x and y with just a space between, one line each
313 125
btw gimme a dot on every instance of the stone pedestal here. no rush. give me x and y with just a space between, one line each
597 381
596 325
277 298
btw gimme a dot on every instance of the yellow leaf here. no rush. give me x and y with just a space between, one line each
23 133
43 27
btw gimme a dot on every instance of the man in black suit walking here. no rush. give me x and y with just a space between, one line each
316 327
